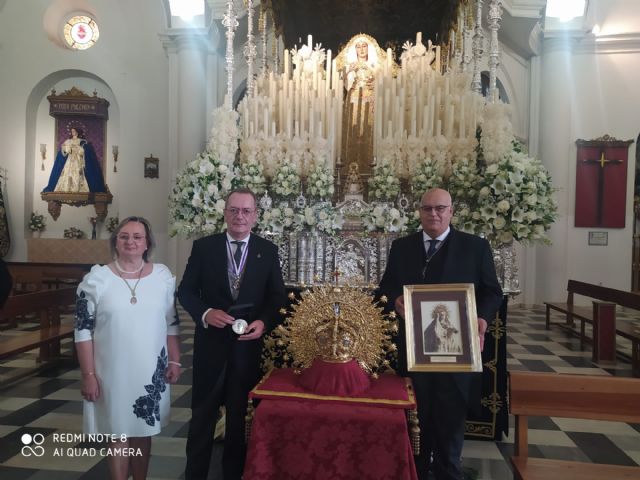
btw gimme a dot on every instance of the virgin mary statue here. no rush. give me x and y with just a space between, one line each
359 61
76 168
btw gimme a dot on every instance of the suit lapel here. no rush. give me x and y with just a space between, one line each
449 260
220 262
420 254
254 257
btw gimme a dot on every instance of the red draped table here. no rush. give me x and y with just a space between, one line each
297 434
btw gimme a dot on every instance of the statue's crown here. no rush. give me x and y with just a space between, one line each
335 324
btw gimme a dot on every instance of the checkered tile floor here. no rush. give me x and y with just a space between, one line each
49 403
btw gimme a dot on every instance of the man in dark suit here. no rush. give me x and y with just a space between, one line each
441 254
228 276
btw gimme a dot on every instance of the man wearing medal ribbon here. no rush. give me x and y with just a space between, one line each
229 277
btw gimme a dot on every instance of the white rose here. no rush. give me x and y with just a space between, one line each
503 205
499 223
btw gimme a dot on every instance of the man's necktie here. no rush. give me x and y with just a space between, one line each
238 255
433 246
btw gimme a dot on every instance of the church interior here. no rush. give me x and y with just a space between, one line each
144 91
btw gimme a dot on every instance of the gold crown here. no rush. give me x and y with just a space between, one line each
336 324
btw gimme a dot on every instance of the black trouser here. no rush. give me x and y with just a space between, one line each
240 376
442 410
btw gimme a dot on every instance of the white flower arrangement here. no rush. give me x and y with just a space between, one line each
223 143
463 181
426 176
438 150
389 151
497 136
286 181
277 220
321 216
384 218
306 59
37 222
514 202
252 176
196 202
320 183
384 185
413 153
111 224
73 232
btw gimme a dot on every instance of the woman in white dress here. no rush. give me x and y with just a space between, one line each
127 343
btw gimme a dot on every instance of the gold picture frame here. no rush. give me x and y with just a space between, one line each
442 328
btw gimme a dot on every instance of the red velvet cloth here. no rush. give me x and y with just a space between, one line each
300 435
388 391
326 378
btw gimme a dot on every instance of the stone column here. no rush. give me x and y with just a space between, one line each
188 50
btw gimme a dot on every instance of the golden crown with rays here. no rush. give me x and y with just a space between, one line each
335 324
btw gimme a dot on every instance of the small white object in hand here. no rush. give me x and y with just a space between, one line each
239 326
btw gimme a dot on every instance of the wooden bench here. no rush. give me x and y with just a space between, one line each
569 396
47 305
35 276
602 315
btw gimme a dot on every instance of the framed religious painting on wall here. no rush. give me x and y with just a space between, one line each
151 167
442 328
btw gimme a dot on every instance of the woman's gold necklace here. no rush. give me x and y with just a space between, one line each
133 300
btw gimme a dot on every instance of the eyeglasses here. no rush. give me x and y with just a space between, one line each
435 208
234 212
125 238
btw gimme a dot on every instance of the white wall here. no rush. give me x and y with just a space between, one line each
128 66
584 96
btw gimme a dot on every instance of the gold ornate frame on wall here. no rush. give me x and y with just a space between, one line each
73 107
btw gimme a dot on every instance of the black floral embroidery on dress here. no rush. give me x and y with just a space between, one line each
147 407
176 317
84 320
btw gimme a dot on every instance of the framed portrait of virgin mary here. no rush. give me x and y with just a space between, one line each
442 328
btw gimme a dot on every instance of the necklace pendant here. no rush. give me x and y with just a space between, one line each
133 300
236 284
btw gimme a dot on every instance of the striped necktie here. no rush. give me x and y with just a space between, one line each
238 255
433 246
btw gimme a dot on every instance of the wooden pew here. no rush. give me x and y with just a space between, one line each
602 315
47 305
34 276
569 396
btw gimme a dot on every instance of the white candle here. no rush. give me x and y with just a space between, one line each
286 64
310 41
389 61
327 69
413 115
418 38
334 74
